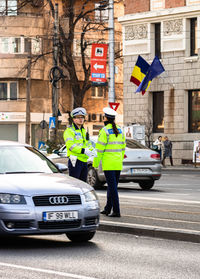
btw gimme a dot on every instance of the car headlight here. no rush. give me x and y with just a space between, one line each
12 199
90 196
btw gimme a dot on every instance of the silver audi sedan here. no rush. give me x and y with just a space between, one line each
37 198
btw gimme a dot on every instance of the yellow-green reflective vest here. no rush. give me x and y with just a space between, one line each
110 149
75 141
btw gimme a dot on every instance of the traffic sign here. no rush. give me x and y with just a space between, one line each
114 105
52 122
98 63
99 51
43 124
98 71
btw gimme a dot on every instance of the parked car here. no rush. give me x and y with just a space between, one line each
141 165
37 198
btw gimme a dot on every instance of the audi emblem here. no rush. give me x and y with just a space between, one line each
58 200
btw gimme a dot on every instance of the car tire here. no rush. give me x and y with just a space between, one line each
80 237
93 179
146 185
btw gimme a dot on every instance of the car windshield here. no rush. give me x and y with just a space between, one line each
133 144
24 159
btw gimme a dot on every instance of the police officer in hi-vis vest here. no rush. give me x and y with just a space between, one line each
110 150
79 149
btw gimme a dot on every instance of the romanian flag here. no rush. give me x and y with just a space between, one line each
140 70
154 70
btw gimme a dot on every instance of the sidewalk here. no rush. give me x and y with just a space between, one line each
181 168
126 225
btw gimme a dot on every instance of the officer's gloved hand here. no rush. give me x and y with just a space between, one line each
88 152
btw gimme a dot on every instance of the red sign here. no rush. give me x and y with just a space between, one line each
98 62
114 106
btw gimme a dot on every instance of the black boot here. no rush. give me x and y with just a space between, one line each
171 161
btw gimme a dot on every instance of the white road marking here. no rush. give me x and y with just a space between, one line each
151 198
48 271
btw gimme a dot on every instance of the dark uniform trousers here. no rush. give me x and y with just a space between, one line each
112 179
80 170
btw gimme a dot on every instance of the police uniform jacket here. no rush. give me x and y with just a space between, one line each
76 142
110 149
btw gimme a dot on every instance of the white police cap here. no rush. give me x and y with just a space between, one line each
78 111
111 113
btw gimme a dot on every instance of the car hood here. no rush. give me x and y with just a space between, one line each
41 183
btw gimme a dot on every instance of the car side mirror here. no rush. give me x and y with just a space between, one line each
61 167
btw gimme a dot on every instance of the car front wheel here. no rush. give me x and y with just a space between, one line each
93 179
146 185
80 237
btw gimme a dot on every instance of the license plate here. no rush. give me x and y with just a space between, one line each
140 171
60 215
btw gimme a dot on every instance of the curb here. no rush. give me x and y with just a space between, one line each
150 231
180 169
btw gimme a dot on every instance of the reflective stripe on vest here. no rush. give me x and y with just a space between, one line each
114 150
74 145
68 139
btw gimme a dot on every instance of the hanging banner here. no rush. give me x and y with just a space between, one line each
98 63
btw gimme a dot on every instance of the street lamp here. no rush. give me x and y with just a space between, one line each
111 92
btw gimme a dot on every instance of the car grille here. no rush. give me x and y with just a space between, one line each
59 225
44 200
91 221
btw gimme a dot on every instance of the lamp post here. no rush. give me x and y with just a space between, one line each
55 65
111 92
28 93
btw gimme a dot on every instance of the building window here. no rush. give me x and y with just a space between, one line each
8 7
194 111
98 92
193 37
101 12
19 45
192 2
158 112
157 5
157 40
8 90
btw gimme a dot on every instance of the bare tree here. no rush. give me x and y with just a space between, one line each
82 27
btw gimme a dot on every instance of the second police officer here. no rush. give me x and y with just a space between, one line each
110 150
79 149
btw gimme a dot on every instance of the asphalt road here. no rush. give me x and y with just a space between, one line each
109 255
173 203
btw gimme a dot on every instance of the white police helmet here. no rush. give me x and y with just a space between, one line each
78 111
110 113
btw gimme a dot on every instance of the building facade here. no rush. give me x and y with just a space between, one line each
169 29
32 26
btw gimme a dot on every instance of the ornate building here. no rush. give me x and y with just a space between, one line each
169 29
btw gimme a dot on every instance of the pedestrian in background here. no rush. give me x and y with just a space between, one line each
159 144
78 146
110 150
167 150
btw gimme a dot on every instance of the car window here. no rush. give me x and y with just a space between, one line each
133 144
17 159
